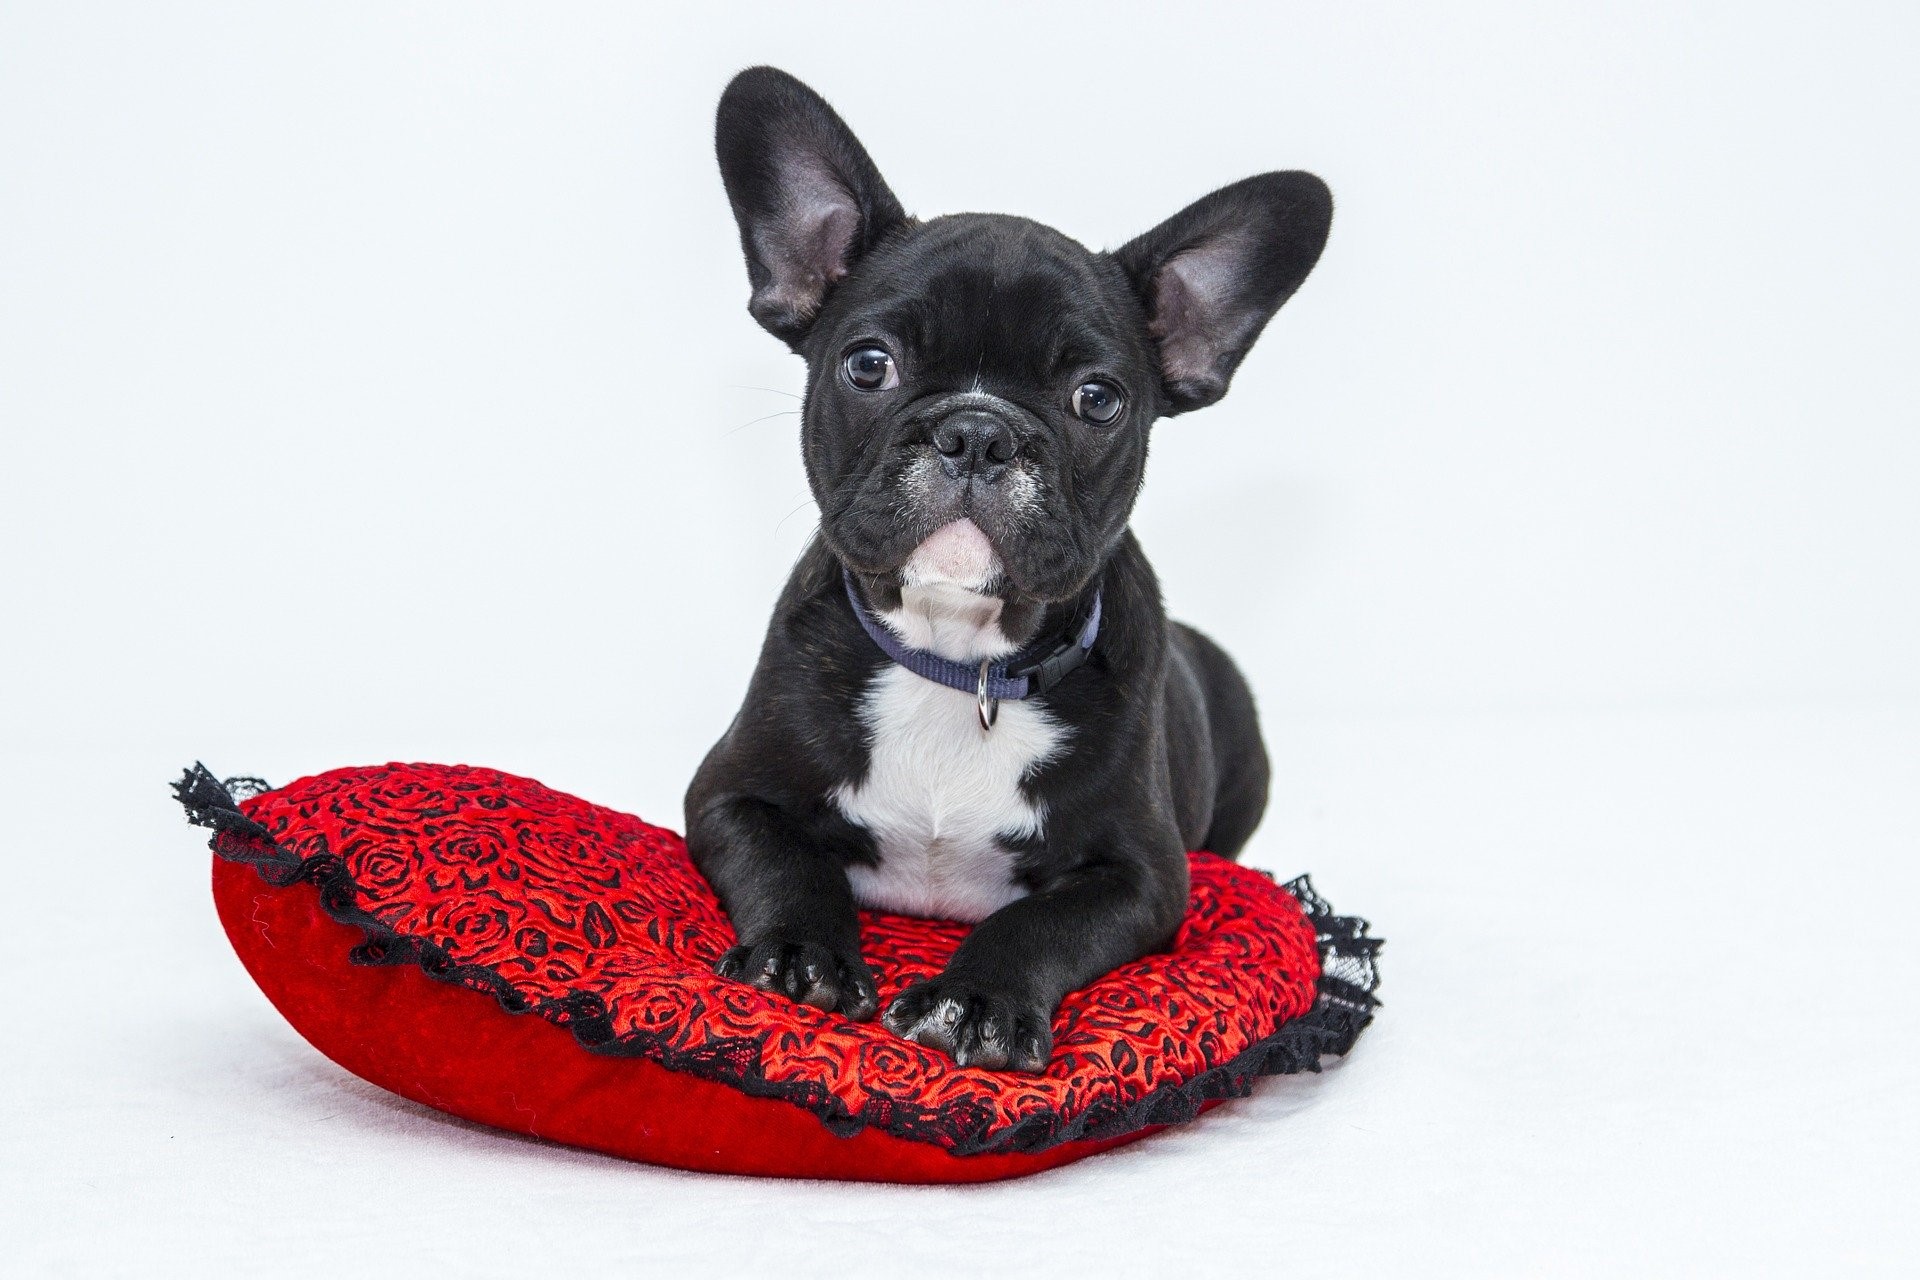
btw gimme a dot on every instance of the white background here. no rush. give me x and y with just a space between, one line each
376 383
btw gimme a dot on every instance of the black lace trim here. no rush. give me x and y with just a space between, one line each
1349 975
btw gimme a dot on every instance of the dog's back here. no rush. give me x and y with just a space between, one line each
1201 670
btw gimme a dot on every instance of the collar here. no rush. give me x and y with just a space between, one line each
1026 674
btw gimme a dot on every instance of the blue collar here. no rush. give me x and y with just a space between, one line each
1026 674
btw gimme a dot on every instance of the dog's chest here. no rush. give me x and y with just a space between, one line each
941 796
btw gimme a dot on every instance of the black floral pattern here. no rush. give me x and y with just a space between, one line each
599 922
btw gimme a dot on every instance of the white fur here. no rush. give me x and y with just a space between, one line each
939 794
940 791
942 606
957 554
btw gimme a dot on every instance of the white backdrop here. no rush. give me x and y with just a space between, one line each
376 382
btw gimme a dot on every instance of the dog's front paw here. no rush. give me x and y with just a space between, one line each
974 1026
807 973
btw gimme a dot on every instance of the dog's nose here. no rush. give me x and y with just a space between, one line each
975 443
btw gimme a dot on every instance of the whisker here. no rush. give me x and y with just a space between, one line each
791 514
805 546
740 386
783 413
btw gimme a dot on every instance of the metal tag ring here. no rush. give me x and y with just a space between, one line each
989 708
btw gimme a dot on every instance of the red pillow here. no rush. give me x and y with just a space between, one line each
599 924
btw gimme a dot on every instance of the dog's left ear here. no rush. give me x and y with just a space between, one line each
1212 276
807 196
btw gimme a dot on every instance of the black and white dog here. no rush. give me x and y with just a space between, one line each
970 703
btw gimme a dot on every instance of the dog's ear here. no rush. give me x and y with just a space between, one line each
808 199
1212 276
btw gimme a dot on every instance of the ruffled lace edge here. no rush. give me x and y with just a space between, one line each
1342 1009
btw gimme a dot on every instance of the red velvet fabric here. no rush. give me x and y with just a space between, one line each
441 1045
599 925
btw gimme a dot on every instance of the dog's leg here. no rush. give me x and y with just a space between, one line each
786 891
993 1006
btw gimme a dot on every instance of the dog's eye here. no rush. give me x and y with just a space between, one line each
1097 402
871 369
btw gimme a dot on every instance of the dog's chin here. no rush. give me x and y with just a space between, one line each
958 552
963 556
958 555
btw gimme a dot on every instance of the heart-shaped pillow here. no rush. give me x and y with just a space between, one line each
370 903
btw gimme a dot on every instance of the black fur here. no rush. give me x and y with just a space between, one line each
1163 749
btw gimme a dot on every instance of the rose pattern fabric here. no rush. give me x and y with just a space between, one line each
596 919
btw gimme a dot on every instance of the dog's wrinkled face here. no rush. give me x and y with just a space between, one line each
981 387
985 369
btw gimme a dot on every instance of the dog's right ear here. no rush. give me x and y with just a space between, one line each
808 198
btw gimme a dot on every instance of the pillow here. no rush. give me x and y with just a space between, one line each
371 904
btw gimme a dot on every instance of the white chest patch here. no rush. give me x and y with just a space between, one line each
939 795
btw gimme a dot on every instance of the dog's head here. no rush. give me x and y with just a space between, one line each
980 387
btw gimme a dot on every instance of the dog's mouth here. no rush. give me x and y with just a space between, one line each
918 521
957 554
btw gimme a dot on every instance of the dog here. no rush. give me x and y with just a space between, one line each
970 703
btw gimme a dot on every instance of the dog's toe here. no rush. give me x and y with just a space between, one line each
805 973
973 1026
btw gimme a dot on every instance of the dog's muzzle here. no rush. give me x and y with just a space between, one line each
975 443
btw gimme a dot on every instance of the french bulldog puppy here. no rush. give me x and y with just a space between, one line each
970 703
